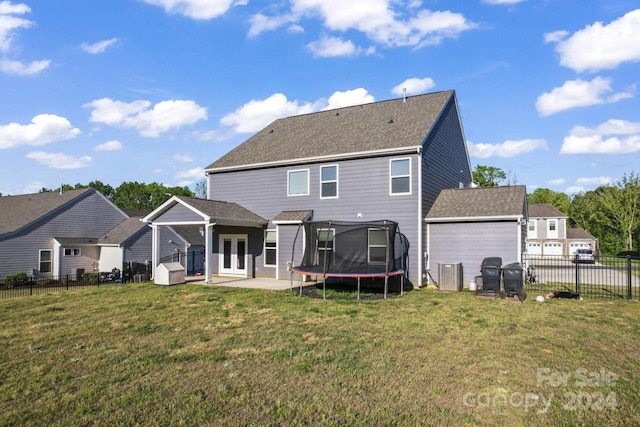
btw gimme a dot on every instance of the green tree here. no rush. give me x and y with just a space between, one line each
488 176
105 189
140 196
561 201
611 213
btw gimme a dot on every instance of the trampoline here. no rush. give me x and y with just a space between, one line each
355 250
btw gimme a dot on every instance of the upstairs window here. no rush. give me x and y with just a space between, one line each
298 182
400 176
72 252
270 248
329 182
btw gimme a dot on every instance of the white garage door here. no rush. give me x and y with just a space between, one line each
574 246
552 248
534 248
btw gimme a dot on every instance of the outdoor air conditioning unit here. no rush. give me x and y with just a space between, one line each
450 276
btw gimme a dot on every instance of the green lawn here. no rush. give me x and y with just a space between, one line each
194 355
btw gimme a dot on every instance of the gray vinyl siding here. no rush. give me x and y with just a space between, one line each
168 242
542 226
87 260
286 250
138 248
445 162
363 188
88 216
471 242
179 213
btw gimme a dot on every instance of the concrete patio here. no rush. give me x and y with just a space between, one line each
249 283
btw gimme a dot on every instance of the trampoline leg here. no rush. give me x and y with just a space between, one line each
402 284
324 288
386 286
358 289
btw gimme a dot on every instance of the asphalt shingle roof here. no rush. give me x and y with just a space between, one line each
17 212
545 210
121 232
223 210
579 233
293 216
384 125
190 233
479 202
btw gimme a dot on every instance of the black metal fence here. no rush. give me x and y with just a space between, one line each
44 285
604 277
21 285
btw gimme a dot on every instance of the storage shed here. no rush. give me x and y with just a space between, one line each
169 273
466 225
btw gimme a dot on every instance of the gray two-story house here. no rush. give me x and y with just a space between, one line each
386 160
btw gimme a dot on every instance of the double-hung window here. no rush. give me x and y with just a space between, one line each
377 248
400 176
298 182
325 240
270 248
45 261
329 182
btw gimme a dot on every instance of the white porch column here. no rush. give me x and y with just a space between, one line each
154 249
208 253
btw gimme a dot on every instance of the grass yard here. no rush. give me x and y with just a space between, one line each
194 355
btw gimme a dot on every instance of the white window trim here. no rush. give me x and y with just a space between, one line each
391 193
275 230
369 246
329 181
73 252
288 183
333 246
50 260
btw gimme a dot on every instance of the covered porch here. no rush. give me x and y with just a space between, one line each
232 234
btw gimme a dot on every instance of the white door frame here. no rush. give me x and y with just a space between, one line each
237 263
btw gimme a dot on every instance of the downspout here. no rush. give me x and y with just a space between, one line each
420 219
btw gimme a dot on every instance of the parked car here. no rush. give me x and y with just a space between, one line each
586 256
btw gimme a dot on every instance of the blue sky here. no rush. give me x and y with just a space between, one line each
155 90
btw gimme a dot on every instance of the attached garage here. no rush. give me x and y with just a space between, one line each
552 249
534 248
470 224
574 246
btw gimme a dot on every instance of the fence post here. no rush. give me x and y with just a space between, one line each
67 282
31 287
577 276
629 295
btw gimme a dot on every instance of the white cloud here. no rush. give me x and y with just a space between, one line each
506 149
18 68
98 47
191 173
555 36
328 47
184 158
610 137
9 22
579 93
601 46
109 146
256 114
163 117
377 19
574 189
414 86
60 160
197 9
594 182
43 129
557 181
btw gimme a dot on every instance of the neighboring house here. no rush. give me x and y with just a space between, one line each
383 160
548 234
467 225
191 237
55 234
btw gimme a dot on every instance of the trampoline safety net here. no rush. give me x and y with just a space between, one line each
356 249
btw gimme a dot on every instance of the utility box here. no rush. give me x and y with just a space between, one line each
450 276
169 273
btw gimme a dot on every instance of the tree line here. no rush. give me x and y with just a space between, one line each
132 195
611 213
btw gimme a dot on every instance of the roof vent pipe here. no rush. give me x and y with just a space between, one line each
404 94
